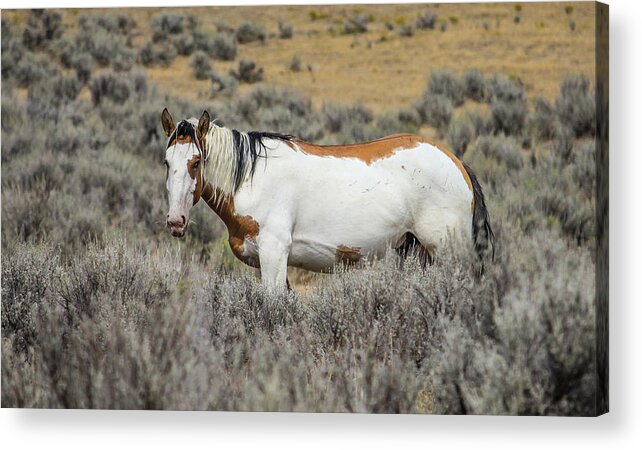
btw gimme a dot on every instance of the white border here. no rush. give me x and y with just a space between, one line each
618 429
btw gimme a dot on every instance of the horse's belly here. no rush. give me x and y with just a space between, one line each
320 253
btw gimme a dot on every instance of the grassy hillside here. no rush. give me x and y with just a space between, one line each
101 308
380 68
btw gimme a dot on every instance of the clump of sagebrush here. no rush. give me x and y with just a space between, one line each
567 199
132 339
162 54
65 51
248 72
103 40
109 86
435 110
113 23
563 140
41 28
356 24
165 24
295 64
474 85
336 116
31 69
508 105
442 82
147 54
544 119
405 30
222 83
201 66
504 149
427 19
390 123
409 116
286 31
349 123
269 108
220 46
248 32
184 44
460 133
575 105
83 65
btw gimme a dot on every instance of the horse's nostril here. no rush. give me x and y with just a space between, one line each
183 217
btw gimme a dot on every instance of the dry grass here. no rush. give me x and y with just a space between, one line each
379 68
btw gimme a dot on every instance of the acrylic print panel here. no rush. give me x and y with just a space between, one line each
157 253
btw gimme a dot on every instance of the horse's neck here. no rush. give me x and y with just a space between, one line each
221 204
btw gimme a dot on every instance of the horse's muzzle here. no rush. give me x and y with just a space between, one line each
177 225
178 232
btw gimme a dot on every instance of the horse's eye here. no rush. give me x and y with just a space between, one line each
196 165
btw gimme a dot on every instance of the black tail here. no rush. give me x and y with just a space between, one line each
483 236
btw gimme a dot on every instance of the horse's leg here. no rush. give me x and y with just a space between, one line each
273 257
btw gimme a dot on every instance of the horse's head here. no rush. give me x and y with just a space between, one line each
185 156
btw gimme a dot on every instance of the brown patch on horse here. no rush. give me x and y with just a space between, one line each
194 170
348 255
366 151
385 147
181 140
239 228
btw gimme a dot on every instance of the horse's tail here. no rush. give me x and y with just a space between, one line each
483 237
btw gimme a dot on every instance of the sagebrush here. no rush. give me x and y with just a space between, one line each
101 308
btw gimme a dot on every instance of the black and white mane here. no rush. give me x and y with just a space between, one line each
248 148
231 155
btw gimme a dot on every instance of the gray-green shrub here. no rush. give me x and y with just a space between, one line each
508 105
201 66
504 149
575 105
427 19
165 24
461 132
286 31
474 85
442 82
248 72
356 24
248 32
435 110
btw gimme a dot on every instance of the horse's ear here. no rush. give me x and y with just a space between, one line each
204 123
168 122
201 131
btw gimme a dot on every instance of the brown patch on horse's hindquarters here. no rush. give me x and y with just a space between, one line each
239 228
348 255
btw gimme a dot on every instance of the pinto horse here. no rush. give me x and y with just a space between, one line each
287 202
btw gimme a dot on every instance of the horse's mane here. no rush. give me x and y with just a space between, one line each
232 155
248 148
